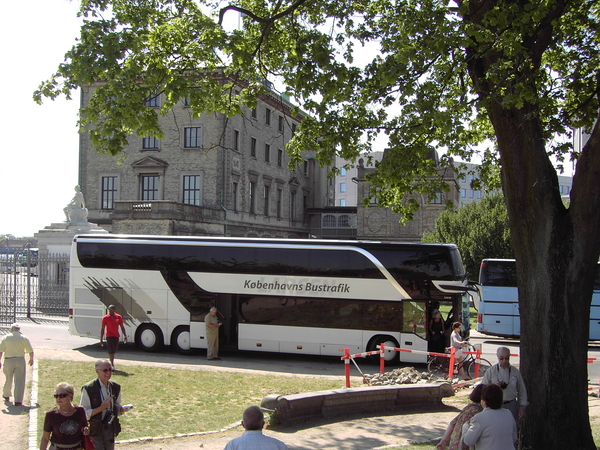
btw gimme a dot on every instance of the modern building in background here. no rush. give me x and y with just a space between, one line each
211 175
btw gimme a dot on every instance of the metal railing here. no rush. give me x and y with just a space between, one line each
33 286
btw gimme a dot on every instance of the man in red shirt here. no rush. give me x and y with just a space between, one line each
111 322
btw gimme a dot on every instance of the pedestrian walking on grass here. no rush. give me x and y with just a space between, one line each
101 400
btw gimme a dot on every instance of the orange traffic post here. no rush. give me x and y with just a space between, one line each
477 360
382 359
451 365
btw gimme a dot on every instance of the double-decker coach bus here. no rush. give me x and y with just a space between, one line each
273 295
498 310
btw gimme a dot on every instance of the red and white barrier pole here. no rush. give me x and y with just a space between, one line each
382 359
451 368
347 366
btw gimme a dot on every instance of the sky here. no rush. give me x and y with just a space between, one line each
39 144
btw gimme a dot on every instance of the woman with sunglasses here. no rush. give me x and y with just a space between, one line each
65 424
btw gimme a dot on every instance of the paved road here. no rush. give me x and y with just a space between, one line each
54 335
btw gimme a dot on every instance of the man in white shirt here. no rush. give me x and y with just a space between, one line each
253 439
511 381
14 346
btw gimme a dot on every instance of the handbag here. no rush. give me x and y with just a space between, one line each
86 443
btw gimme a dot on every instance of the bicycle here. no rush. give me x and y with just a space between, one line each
438 365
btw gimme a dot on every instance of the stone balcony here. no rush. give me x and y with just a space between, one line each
165 210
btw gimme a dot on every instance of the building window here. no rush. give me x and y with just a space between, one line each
253 147
342 202
153 101
305 207
438 198
150 143
268 116
344 221
279 202
267 153
293 206
305 168
470 193
280 124
478 194
343 172
279 157
109 192
149 187
342 187
463 193
236 140
191 190
234 196
328 221
192 137
254 114
266 201
293 129
252 197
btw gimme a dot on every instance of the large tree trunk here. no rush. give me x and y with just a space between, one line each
557 251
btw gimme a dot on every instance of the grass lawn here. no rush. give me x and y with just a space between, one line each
174 401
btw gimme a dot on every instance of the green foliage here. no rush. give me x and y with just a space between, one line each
479 229
358 68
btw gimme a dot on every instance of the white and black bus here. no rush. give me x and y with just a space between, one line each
312 297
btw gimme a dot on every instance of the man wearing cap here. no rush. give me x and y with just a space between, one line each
14 346
111 322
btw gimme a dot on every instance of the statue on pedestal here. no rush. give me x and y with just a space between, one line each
75 211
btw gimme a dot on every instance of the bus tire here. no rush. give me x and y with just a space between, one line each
181 341
389 342
149 337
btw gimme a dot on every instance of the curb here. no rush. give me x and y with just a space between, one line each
33 408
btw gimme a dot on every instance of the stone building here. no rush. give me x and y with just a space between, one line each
376 222
210 175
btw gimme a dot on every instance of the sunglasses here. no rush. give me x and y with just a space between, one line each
61 395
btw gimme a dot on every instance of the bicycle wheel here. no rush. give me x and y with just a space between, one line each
484 365
438 367
470 356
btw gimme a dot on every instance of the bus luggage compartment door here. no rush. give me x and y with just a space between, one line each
262 338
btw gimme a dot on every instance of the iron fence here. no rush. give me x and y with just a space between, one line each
33 286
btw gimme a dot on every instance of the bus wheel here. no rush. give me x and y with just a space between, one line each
180 340
390 356
149 337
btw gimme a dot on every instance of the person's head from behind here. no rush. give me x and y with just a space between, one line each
492 396
475 395
253 418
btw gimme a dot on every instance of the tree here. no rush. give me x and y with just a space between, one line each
426 74
479 229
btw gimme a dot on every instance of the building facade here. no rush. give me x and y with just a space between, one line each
208 175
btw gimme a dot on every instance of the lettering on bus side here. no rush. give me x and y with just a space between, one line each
308 287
